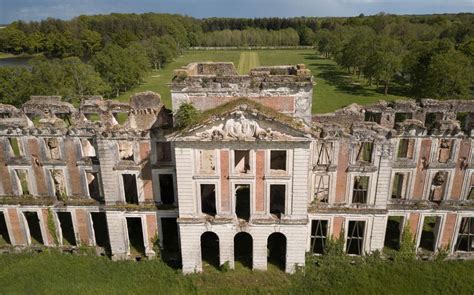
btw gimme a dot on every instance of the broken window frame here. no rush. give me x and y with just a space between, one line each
375 117
216 198
28 229
235 199
350 236
143 234
320 236
324 153
362 149
158 182
278 171
162 161
49 155
250 165
403 150
99 186
199 160
318 181
469 195
400 117
465 231
92 143
405 185
59 225
51 172
138 189
132 157
431 190
360 191
451 148
8 238
437 232
285 199
16 147
19 185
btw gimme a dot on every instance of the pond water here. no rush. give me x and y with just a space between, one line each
18 61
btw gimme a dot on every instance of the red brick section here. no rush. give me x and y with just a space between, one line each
337 226
4 175
146 171
152 228
225 191
413 221
342 165
74 174
15 227
420 171
82 225
41 186
446 238
49 236
259 186
464 151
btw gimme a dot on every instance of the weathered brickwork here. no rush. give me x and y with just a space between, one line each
257 177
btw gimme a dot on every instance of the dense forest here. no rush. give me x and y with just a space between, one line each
429 55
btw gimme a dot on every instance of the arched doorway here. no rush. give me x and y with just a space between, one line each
210 248
243 249
276 249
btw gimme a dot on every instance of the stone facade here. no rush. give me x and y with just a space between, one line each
257 180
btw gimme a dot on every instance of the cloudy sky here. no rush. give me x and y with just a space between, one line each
38 9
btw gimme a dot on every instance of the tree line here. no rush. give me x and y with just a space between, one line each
429 55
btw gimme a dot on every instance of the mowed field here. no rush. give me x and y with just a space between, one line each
334 87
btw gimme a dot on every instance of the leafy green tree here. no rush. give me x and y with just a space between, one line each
157 51
90 42
35 42
60 44
83 79
15 85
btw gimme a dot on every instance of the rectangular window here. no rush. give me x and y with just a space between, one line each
406 147
432 118
93 185
15 147
207 161
355 238
445 150
242 161
67 228
438 186
126 150
360 190
400 117
135 236
373 117
4 236
278 160
319 232
465 241
242 201
321 188
470 193
163 152
393 232
166 188
324 152
101 233
22 182
364 152
52 148
400 185
208 199
431 226
277 199
130 188
34 227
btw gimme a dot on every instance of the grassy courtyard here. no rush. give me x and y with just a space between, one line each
54 273
334 87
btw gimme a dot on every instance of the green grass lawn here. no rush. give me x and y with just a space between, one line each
54 273
5 55
334 87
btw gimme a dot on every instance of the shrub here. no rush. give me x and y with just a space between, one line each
186 115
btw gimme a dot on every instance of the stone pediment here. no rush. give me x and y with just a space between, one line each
242 126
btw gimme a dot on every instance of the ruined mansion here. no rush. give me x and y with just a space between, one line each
256 179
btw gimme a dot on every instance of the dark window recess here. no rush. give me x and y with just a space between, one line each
470 195
276 249
432 119
242 161
319 231
208 199
67 228
242 201
465 241
393 232
243 249
130 188
463 118
278 160
360 190
373 117
400 117
406 148
93 185
101 233
4 236
429 232
399 185
210 249
355 237
364 153
163 152
277 199
169 227
166 188
135 236
34 227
